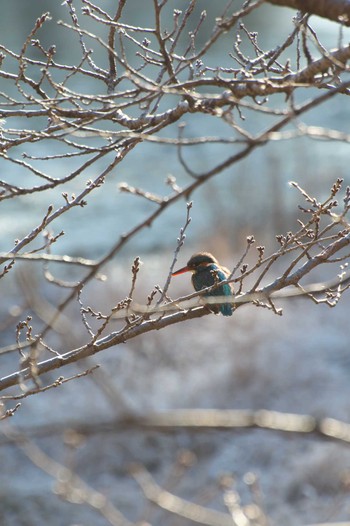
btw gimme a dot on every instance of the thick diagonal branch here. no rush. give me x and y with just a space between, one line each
336 10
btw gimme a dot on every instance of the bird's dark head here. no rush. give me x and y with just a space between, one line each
197 262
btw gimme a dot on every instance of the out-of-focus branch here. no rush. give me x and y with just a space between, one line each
199 420
53 258
176 505
67 482
336 10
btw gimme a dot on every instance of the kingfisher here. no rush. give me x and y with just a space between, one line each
206 271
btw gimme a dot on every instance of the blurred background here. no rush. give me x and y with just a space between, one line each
296 363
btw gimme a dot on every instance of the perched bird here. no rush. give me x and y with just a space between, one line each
206 271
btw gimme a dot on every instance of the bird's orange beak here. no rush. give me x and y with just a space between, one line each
181 271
